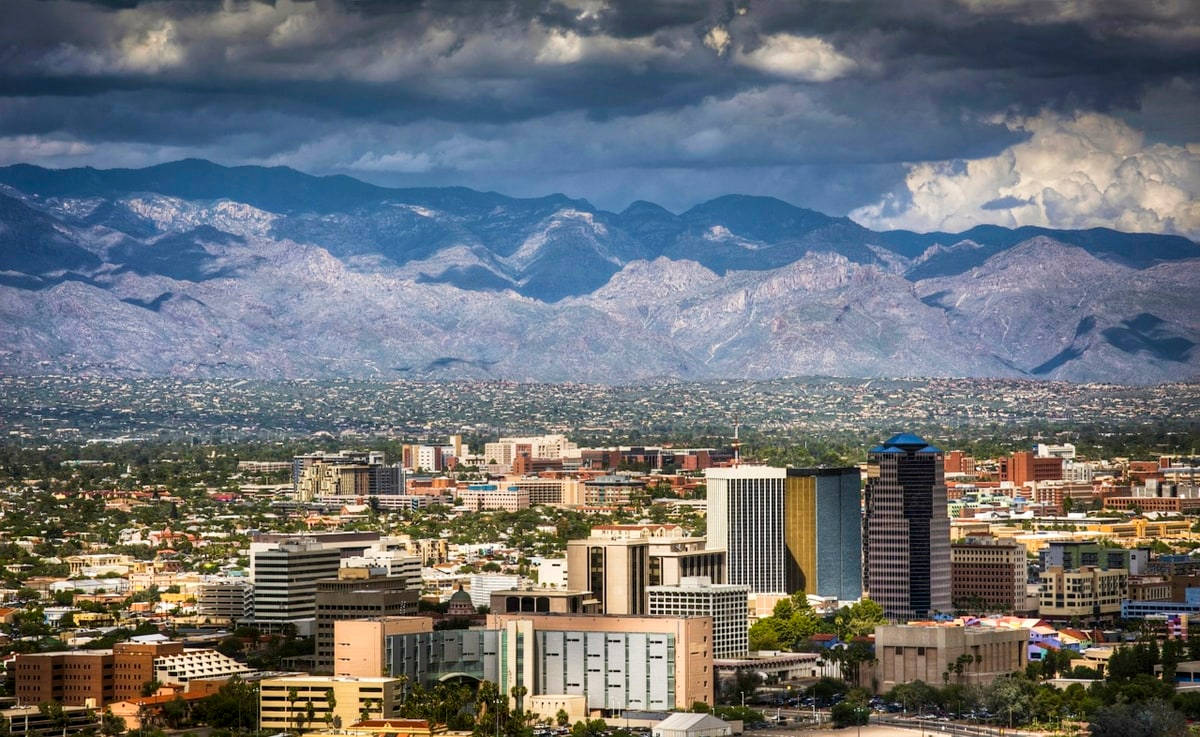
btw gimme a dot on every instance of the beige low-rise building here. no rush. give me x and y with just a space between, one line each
932 652
574 705
359 645
337 700
1087 592
544 601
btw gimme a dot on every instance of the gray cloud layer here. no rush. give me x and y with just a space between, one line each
838 105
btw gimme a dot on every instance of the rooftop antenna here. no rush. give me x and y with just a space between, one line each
737 444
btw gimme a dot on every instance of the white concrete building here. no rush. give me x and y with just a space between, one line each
191 665
483 584
485 497
552 573
683 724
285 576
504 451
231 599
726 604
745 518
390 563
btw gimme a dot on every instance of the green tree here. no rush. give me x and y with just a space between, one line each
149 688
858 620
849 713
1010 698
293 697
331 703
175 712
1152 719
589 728
54 713
765 635
234 706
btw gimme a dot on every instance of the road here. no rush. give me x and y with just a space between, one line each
882 725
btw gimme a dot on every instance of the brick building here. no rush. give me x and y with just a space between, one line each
988 572
1024 466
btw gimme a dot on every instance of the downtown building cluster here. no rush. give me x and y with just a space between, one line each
650 616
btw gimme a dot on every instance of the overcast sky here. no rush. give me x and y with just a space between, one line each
925 115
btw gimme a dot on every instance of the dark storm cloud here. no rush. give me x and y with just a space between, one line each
819 102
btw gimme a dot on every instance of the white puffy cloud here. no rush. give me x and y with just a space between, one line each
717 39
1089 170
152 49
18 149
807 58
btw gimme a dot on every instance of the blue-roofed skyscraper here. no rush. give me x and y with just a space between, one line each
906 532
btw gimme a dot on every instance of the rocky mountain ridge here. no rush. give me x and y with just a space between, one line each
195 269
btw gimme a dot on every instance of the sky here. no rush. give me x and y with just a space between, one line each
921 114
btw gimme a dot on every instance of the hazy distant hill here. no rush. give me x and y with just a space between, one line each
193 268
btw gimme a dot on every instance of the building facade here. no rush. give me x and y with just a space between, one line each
285 576
988 574
1025 466
615 571
788 530
746 519
940 653
226 600
284 703
725 604
544 601
359 645
823 526
99 677
1087 592
615 662
906 532
354 594
490 497
345 473
611 491
674 559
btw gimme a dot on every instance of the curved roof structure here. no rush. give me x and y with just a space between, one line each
905 440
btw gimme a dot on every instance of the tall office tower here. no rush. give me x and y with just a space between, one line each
745 517
823 522
285 576
906 538
788 529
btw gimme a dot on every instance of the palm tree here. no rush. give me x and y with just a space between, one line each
330 704
293 697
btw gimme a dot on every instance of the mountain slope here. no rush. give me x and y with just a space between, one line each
192 268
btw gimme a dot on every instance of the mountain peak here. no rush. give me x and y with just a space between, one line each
756 217
642 208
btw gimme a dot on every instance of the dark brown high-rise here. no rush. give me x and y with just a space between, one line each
906 533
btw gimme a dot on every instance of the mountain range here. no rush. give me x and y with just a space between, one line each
190 268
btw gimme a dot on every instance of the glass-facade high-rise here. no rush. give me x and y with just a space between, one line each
823 522
906 532
788 529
